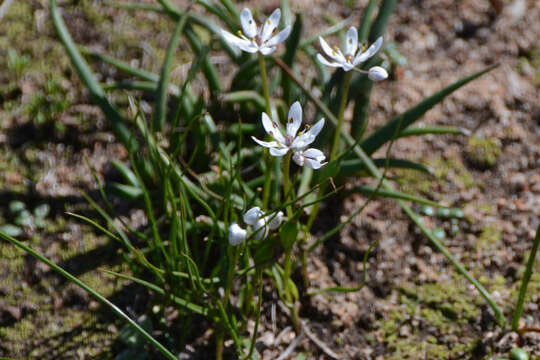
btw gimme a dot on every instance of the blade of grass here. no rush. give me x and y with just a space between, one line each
394 194
384 133
160 110
365 23
353 166
92 292
97 94
381 21
525 281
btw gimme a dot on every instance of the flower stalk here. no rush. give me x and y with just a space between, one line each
342 106
268 160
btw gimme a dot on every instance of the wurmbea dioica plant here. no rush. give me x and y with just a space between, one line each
198 252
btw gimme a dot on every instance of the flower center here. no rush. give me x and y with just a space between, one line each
289 140
258 40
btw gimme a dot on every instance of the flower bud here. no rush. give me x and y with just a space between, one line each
377 73
252 215
275 220
237 235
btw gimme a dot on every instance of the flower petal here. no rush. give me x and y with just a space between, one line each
242 44
274 220
271 144
323 60
352 42
309 136
237 235
260 229
334 55
315 154
278 151
314 164
372 50
270 25
248 24
272 129
298 158
294 119
377 73
252 215
267 50
280 37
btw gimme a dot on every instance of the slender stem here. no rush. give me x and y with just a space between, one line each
258 315
525 281
225 301
342 106
267 158
287 183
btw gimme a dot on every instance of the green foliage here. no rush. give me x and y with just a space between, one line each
194 170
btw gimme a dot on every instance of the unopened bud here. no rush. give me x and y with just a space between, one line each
377 73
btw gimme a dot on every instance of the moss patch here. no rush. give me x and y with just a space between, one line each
483 152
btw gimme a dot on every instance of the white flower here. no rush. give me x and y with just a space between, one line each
351 58
237 235
313 158
377 73
252 39
262 224
282 144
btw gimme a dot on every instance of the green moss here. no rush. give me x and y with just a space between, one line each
489 239
483 152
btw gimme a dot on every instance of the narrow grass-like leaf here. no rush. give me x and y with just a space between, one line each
126 172
98 95
381 21
125 191
365 23
385 133
291 48
92 292
177 300
160 110
353 166
525 281
329 31
394 194
245 96
208 68
437 130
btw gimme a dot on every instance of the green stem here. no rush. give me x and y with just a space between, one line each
220 336
287 183
525 281
342 106
258 315
267 158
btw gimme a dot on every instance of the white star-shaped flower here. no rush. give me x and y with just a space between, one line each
352 56
290 142
252 39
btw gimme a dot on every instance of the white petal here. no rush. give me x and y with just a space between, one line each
237 235
248 24
377 73
309 136
314 154
334 55
323 60
347 66
298 158
294 119
352 42
278 151
242 44
281 37
270 24
271 144
372 50
267 50
253 215
275 220
272 128
260 229
314 164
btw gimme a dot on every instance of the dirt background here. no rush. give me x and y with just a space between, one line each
414 305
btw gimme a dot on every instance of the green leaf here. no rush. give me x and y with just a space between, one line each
96 92
208 68
379 26
288 234
291 45
365 23
384 134
126 172
160 111
369 190
353 166
435 130
125 191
